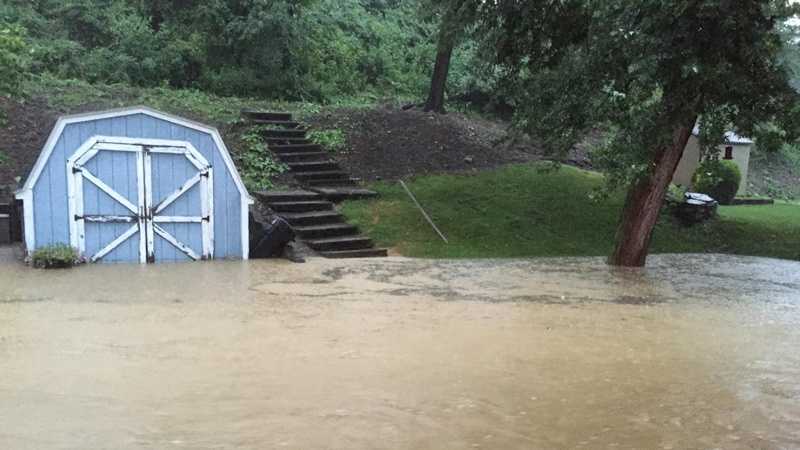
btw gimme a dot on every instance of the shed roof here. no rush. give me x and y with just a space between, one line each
730 137
63 121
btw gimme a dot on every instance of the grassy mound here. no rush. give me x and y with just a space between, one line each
523 211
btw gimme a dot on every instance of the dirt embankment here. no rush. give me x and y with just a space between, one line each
384 142
24 127
389 143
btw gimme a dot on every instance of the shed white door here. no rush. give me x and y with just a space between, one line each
140 200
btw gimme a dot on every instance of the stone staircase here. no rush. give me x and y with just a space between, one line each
311 211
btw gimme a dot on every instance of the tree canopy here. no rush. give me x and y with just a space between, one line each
646 71
640 67
293 49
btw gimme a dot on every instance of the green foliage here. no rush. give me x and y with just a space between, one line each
12 58
642 68
332 140
521 211
769 137
58 256
719 179
316 50
675 194
3 158
255 162
69 94
775 174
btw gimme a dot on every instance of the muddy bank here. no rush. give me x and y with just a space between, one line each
24 127
389 143
696 352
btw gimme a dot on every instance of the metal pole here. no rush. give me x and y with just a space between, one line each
422 210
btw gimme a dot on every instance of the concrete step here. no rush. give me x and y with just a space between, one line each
313 166
326 231
251 114
322 175
331 182
302 156
301 206
274 124
312 218
363 253
280 141
340 243
340 193
287 196
285 134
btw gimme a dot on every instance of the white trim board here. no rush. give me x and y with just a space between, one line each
145 214
26 192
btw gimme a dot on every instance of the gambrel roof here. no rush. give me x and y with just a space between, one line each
63 121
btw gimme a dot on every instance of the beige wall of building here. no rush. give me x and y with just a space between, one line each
691 161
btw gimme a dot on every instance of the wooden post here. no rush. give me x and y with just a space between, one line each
425 214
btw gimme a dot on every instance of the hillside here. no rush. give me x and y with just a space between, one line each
382 141
775 175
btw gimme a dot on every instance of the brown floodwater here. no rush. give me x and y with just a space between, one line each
695 352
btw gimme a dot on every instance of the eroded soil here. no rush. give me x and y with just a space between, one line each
696 352
387 143
24 127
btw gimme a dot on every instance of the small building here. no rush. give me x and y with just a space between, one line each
136 185
735 148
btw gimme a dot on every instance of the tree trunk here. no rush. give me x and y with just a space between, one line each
435 100
644 201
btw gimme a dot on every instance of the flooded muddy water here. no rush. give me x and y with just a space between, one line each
696 352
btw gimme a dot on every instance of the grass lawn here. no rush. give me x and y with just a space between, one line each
523 211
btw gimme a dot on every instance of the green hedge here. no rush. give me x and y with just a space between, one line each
719 179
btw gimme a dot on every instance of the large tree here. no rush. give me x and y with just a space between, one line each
456 15
647 71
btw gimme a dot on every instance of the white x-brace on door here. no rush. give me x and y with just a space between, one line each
148 209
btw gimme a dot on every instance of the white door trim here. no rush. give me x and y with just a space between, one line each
145 214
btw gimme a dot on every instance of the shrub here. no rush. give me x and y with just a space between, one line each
675 196
332 140
719 179
12 62
770 137
256 163
58 256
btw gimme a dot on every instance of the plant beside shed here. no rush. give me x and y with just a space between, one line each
58 256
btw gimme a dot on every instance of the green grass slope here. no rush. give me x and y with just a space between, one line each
523 211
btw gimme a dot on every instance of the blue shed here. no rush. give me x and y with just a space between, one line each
136 185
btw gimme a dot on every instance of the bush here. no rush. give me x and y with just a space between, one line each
332 140
12 62
320 50
719 179
58 256
256 164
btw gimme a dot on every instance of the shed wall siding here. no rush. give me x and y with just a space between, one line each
50 192
691 161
